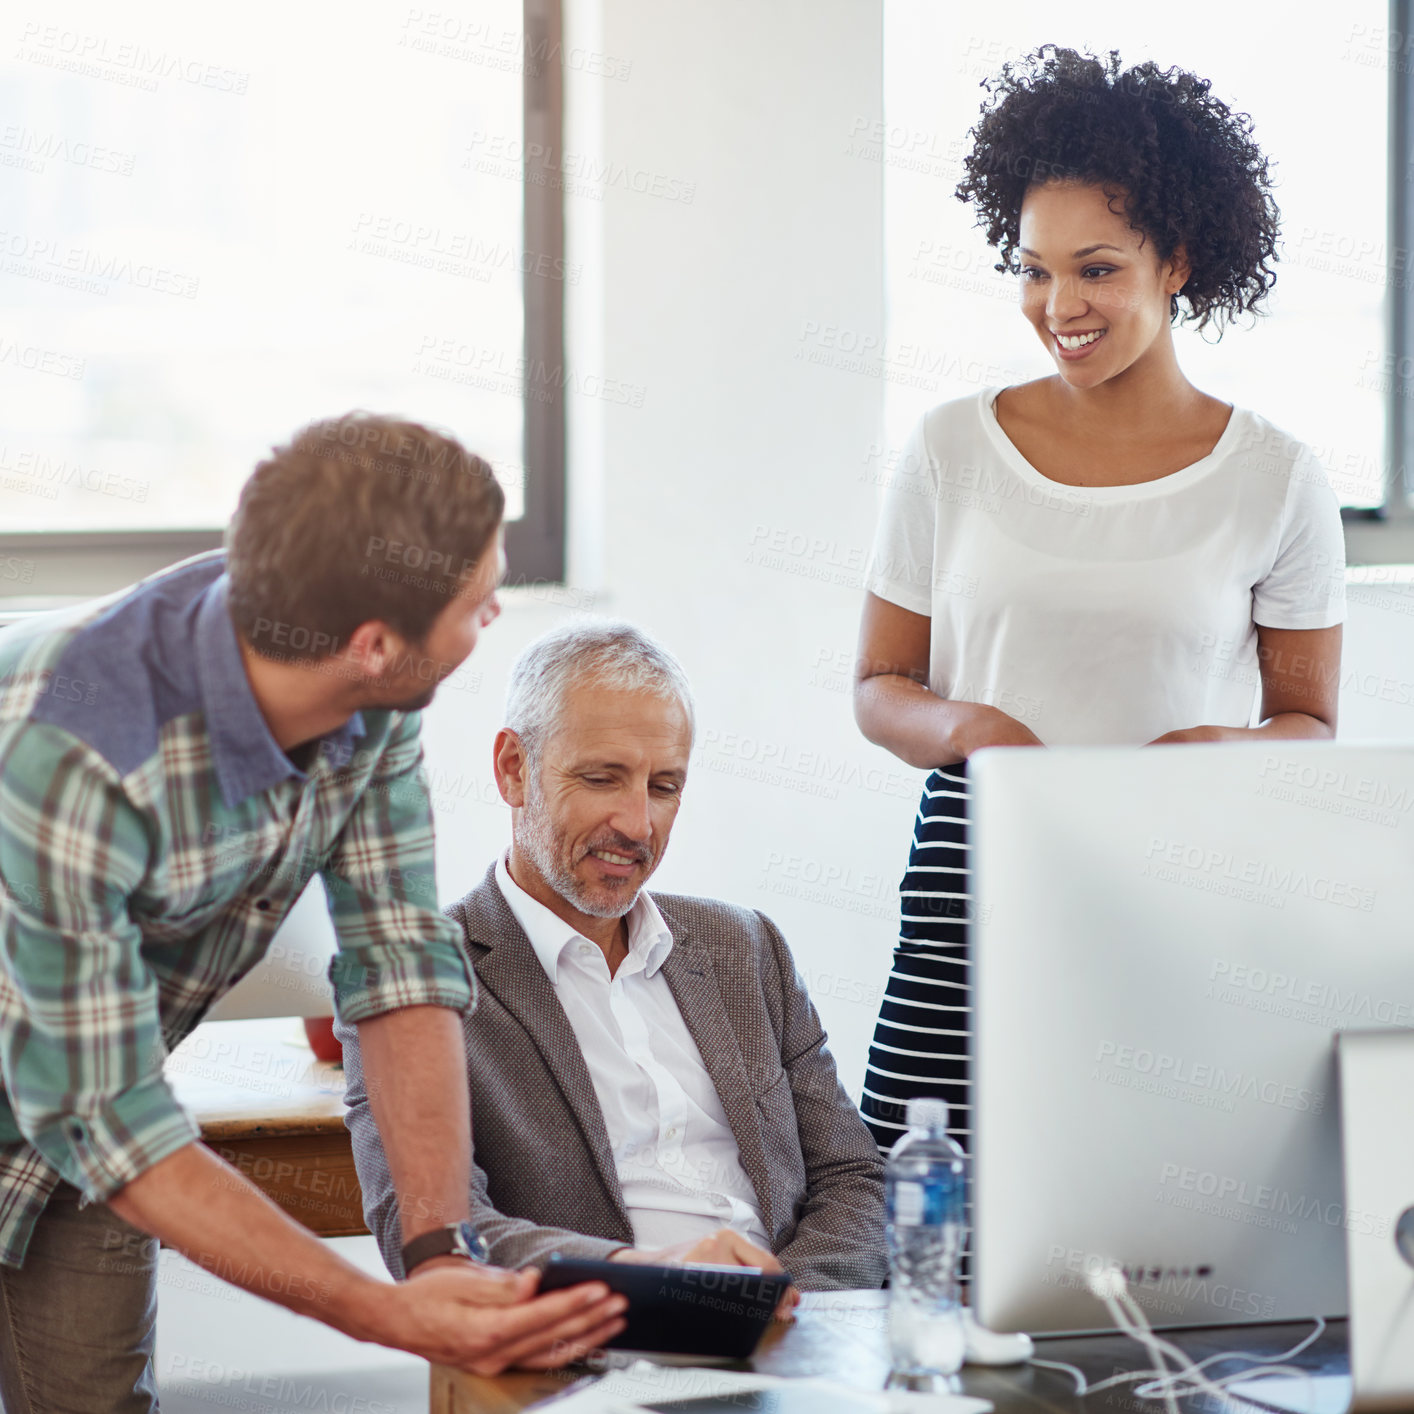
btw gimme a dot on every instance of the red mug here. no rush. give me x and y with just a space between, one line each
319 1030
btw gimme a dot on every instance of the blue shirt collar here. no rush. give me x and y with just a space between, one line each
246 757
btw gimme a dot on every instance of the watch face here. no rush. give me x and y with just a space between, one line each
472 1242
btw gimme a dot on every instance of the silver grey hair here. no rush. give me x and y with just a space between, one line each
606 652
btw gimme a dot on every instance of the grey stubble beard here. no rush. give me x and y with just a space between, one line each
538 839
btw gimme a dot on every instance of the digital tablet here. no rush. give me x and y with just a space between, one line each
719 1311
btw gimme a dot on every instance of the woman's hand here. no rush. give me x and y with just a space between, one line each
897 710
990 726
1300 686
1199 734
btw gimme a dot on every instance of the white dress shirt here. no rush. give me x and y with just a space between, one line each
674 1151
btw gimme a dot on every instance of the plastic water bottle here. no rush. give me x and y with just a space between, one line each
925 1183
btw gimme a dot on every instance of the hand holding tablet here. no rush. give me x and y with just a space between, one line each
698 1310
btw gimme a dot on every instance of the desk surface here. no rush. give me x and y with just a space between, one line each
276 1114
242 1079
843 1336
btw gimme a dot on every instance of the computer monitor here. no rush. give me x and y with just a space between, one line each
1166 941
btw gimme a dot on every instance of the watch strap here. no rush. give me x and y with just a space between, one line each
456 1239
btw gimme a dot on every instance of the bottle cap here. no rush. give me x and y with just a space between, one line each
927 1113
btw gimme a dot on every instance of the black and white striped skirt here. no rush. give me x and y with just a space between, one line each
922 1040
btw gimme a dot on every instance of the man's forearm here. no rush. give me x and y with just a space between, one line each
475 1318
414 1072
210 1213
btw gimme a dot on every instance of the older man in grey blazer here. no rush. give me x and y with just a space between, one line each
649 1078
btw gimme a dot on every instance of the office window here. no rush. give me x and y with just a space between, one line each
1316 365
220 224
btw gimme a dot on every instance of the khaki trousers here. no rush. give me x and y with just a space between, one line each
78 1320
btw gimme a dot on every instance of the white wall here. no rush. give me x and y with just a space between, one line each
1377 655
738 442
730 512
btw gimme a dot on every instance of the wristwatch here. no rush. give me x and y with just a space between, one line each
454 1240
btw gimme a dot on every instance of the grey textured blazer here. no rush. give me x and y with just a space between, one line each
543 1176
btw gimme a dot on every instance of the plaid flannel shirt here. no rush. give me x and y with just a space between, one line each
153 836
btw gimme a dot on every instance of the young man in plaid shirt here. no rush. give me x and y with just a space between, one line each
176 762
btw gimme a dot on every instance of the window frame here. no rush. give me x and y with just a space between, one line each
48 567
1384 534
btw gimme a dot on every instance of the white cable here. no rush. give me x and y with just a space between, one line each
1188 1376
1136 1376
1266 1363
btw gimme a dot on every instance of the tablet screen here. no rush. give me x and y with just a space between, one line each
717 1311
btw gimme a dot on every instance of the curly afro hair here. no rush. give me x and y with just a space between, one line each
1185 165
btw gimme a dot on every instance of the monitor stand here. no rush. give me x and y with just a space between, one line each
1377 1134
1377 1137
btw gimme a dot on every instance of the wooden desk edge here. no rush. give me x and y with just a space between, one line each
228 1128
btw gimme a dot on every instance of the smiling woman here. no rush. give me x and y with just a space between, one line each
944 294
1144 556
